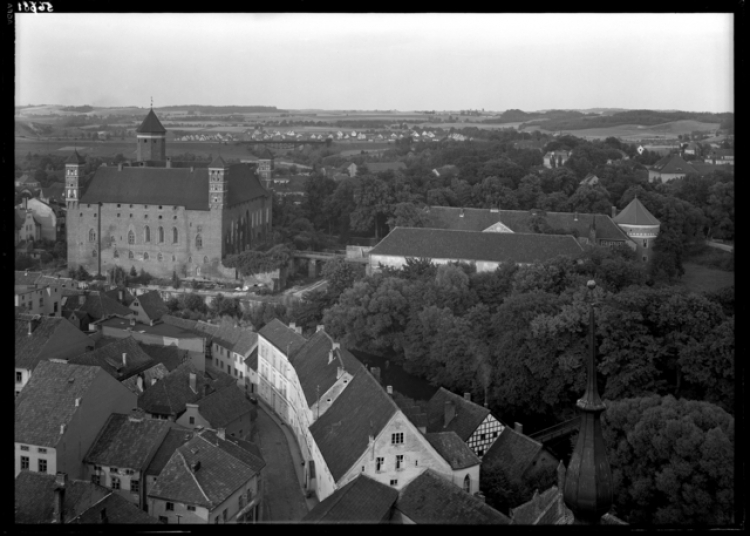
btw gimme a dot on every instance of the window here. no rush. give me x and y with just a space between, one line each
399 462
145 255
397 439
379 464
135 486
146 206
147 234
494 434
95 479
394 482
645 243
467 484
92 235
160 207
130 254
198 242
24 462
480 452
161 235
163 519
115 482
42 466
484 436
93 253
191 508
25 447
118 214
174 234
170 507
131 236
19 378
416 463
205 260
41 450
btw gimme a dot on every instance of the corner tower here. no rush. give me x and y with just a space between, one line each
152 139
73 172
640 225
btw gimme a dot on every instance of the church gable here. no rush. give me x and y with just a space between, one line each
498 227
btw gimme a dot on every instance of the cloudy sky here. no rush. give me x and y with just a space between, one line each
370 61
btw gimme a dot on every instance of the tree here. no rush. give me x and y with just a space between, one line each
720 210
318 188
195 302
503 492
590 200
372 202
408 215
264 313
666 262
341 275
672 461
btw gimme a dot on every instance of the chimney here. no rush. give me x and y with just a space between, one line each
319 327
195 466
614 211
450 412
61 481
518 427
479 495
124 359
136 415
462 213
467 396
221 433
139 382
293 326
192 382
153 381
132 321
103 516
62 429
389 389
78 401
192 169
119 166
205 389
31 328
535 503
533 212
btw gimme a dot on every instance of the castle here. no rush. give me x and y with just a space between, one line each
163 216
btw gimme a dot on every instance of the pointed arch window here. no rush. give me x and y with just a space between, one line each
161 235
174 235
92 235
467 484
145 255
131 237
147 234
198 242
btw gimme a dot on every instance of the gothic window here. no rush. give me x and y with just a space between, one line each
130 254
131 237
147 234
198 242
174 235
161 235
92 235
467 484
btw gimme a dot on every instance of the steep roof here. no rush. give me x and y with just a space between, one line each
636 214
548 508
169 186
475 246
48 401
217 163
282 336
127 443
117 509
176 437
452 449
109 357
514 451
96 304
522 221
152 303
468 416
155 373
342 433
363 500
35 497
31 349
169 356
673 164
75 158
251 361
316 375
236 339
430 498
224 406
151 125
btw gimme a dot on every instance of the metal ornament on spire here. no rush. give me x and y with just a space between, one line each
588 482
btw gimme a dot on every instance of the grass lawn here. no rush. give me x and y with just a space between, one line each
701 278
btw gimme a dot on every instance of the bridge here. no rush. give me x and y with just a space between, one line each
315 259
558 430
284 144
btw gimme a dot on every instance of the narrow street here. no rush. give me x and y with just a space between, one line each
283 500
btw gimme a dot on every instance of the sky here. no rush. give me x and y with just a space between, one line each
378 61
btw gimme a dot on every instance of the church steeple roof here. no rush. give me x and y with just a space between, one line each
636 214
151 125
218 163
75 158
588 482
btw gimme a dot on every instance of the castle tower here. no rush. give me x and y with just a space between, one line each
73 172
640 225
152 139
218 186
588 490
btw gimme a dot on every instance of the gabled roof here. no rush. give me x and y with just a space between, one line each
282 337
117 510
169 186
514 451
218 163
224 406
110 358
430 498
521 221
127 297
316 375
222 471
127 443
48 401
35 497
75 158
24 277
97 305
54 191
475 246
176 436
363 500
152 304
636 214
30 350
151 125
236 339
468 416
673 164
252 360
342 433
452 449
155 373
169 356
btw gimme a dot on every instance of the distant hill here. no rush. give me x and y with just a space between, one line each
630 117
197 108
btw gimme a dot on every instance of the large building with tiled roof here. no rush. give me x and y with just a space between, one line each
363 500
160 217
59 414
149 307
641 227
121 358
226 408
519 455
669 168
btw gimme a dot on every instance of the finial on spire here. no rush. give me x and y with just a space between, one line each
152 103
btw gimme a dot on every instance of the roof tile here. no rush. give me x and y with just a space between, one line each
363 500
127 443
468 415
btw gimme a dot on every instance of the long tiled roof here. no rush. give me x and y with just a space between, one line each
520 221
469 415
109 357
96 304
169 186
48 401
30 350
673 164
151 125
282 336
315 374
363 500
342 433
475 246
127 443
430 498
636 214
224 406
236 339
170 356
35 497
452 449
514 451
152 304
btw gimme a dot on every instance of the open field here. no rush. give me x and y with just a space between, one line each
701 278
665 130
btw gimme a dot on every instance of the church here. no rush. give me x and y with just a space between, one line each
163 216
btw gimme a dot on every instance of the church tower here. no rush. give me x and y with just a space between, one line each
73 172
152 139
218 185
265 168
640 225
